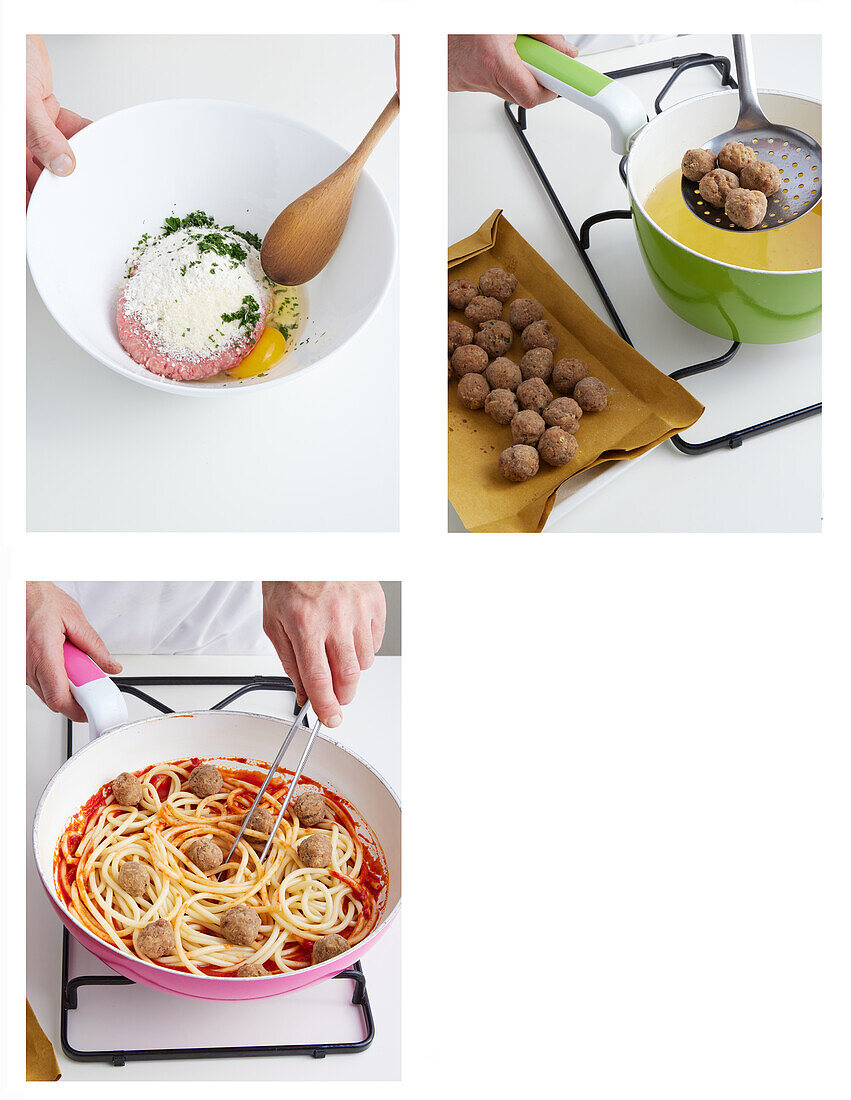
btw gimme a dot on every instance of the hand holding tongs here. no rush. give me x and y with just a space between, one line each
296 777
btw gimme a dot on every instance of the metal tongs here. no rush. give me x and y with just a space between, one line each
296 777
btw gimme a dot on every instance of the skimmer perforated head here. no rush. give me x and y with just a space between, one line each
796 155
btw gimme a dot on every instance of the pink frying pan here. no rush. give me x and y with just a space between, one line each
223 736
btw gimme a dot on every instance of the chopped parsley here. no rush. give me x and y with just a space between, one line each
252 238
196 220
215 242
248 315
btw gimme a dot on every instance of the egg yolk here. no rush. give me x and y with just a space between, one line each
268 350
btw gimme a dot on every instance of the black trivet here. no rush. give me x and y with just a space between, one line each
581 242
70 986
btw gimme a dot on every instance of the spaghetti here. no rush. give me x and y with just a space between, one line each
297 904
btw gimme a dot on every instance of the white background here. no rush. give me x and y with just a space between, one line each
307 456
773 482
652 733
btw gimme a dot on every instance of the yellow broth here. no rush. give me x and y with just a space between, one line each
792 247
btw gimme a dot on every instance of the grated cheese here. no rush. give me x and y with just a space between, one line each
180 292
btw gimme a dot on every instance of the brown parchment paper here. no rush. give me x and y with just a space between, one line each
645 406
41 1057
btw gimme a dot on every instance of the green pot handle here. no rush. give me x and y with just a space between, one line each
572 80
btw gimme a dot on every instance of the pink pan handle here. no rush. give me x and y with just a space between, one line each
94 691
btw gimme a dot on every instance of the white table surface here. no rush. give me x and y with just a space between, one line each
270 475
772 483
371 727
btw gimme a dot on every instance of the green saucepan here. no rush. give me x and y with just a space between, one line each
737 303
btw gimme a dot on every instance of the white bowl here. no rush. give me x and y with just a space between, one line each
242 165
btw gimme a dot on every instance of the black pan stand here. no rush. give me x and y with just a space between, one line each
70 986
582 240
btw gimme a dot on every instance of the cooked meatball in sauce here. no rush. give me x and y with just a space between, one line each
205 853
252 970
315 850
156 940
127 789
327 947
205 780
309 807
133 877
240 925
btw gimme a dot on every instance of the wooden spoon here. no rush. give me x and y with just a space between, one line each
304 237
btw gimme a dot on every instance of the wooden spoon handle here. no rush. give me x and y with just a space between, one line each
380 126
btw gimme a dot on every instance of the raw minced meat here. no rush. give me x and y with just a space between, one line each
195 299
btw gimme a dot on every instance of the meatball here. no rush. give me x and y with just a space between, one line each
240 925
459 335
496 283
469 359
462 292
472 391
519 463
524 312
759 175
537 363
483 309
591 395
127 789
734 156
717 185
501 406
315 850
567 372
309 807
696 163
205 780
535 394
252 970
156 939
539 335
502 374
495 337
262 820
327 947
557 447
133 877
205 853
746 208
563 413
527 427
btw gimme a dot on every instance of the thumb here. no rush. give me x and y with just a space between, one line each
45 142
85 637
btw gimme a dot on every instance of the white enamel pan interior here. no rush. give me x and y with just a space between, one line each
224 736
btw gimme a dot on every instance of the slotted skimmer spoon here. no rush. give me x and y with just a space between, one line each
797 155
